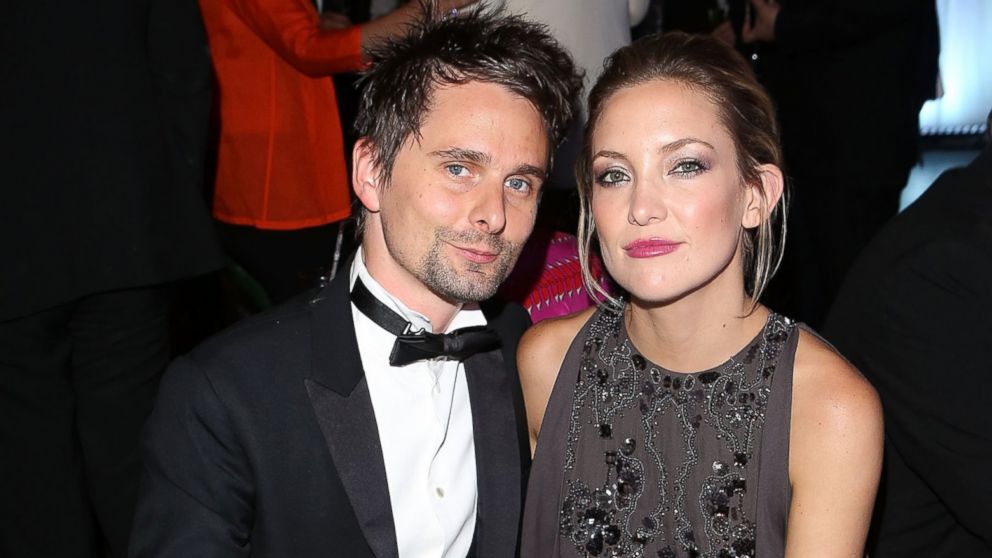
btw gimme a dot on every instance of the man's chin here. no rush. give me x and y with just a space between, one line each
464 282
466 288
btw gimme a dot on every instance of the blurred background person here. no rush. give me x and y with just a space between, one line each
104 112
848 80
691 16
915 316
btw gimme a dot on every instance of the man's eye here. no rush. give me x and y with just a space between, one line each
518 184
457 170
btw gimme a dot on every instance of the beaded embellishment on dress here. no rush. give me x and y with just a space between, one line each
677 450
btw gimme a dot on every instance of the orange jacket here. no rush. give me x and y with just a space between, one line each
280 162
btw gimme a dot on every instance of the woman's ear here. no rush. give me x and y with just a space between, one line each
365 176
762 195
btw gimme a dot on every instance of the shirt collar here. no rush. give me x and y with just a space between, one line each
469 315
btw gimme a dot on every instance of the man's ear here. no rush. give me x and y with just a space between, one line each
365 179
762 195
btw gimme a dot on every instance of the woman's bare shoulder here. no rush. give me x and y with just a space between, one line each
539 357
548 340
825 380
836 411
835 453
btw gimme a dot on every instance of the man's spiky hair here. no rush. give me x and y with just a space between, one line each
485 45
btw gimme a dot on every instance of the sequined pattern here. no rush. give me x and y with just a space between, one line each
657 463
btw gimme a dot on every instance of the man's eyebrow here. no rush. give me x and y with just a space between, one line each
680 143
460 154
478 157
530 170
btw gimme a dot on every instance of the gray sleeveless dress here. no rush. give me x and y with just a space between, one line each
637 461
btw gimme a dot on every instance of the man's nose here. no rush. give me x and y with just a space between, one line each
488 212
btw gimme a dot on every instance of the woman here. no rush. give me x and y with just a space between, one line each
687 419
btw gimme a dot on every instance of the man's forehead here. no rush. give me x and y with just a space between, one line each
447 122
472 92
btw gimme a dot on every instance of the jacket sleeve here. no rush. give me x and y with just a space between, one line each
290 28
931 360
825 26
197 489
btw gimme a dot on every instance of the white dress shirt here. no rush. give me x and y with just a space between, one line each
424 419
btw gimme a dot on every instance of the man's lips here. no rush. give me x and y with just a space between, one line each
477 255
651 247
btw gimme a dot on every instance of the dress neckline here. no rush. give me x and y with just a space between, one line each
736 357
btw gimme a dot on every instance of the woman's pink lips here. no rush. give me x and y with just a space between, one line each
650 247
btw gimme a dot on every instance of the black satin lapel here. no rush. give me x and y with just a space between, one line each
349 427
336 360
497 454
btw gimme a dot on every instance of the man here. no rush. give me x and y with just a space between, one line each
915 316
319 429
104 112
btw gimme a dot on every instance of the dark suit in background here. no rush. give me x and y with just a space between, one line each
264 442
103 110
848 80
915 316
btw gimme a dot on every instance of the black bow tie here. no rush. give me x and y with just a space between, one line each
413 346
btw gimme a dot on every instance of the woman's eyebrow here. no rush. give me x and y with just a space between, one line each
680 143
609 154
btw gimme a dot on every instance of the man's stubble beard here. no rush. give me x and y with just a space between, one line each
479 281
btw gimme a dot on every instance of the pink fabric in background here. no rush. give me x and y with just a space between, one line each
547 280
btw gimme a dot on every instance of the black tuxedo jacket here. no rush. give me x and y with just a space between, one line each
263 442
915 316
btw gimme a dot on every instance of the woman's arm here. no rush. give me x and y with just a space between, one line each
835 455
292 28
539 357
396 22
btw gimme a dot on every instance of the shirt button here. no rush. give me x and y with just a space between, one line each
439 491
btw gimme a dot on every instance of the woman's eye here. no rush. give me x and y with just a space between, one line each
688 168
457 170
518 184
612 176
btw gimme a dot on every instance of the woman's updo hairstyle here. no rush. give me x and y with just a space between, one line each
706 65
